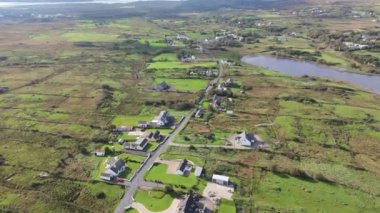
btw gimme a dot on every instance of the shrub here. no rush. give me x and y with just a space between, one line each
100 195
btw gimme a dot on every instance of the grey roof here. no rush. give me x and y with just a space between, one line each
105 175
183 165
116 165
141 141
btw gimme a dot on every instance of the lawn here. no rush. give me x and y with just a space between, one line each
128 137
227 206
159 172
153 42
166 57
129 120
292 194
184 84
155 201
195 159
133 164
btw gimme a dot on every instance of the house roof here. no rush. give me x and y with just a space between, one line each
105 175
141 141
220 177
198 171
116 164
183 165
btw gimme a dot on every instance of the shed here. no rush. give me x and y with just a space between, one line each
220 179
198 171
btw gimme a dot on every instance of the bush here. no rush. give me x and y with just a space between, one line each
100 195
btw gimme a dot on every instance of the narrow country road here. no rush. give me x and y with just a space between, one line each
138 180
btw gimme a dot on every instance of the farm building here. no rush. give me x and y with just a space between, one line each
220 179
198 171
245 139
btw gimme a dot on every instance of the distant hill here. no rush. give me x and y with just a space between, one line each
202 5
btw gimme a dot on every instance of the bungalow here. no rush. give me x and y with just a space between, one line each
161 86
245 139
185 59
220 179
100 152
182 37
114 167
184 167
161 120
139 145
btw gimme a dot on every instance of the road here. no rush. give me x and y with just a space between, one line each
138 180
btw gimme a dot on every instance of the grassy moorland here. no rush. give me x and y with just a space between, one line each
69 81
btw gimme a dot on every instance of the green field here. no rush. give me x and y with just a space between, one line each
184 84
291 194
159 172
74 72
227 206
154 201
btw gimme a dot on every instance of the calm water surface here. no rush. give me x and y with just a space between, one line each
301 68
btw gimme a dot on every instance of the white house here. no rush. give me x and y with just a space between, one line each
100 152
140 144
161 120
184 168
220 179
245 139
115 166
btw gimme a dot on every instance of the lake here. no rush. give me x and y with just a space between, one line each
301 68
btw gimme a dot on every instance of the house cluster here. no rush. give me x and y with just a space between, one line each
181 37
224 35
217 103
163 86
188 59
162 120
141 143
202 72
114 167
355 46
223 89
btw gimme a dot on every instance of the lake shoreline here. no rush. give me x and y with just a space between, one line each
299 68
